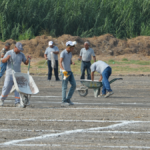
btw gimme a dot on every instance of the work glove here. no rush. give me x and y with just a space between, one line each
65 74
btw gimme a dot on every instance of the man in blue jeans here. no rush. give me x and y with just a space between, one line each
67 75
4 65
85 56
105 72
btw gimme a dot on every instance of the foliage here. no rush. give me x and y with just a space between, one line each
25 19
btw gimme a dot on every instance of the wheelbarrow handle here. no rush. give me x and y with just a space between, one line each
29 65
12 66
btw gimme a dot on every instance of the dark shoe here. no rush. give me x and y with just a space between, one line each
58 80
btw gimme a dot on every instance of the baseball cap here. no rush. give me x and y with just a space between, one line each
50 43
19 46
7 44
70 43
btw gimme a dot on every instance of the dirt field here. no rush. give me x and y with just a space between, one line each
119 122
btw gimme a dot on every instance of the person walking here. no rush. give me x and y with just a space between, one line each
15 57
105 72
67 74
85 56
4 65
48 55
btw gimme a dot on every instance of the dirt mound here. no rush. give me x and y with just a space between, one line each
103 45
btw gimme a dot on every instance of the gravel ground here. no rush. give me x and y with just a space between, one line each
119 122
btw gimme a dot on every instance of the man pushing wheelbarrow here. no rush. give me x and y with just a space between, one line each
105 72
16 56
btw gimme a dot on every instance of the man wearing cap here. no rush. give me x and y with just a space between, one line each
67 75
85 56
15 57
3 65
105 72
47 56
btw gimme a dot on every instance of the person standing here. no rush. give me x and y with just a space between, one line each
15 57
67 74
4 65
47 55
85 56
105 72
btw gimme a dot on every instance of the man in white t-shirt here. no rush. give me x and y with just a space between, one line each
85 55
105 72
47 56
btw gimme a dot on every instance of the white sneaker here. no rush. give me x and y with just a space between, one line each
102 95
1 103
109 94
18 105
64 104
71 103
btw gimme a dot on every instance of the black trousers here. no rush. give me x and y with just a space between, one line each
50 70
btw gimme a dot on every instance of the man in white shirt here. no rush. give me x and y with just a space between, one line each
105 72
47 56
85 56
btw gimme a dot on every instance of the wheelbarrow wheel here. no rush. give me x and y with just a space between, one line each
25 101
83 92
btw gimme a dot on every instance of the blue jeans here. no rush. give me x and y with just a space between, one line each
8 83
50 70
106 85
64 87
85 66
3 69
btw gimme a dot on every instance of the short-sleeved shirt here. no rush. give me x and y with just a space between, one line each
49 50
66 59
17 59
86 54
99 66
3 51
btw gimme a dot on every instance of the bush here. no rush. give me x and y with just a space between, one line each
85 18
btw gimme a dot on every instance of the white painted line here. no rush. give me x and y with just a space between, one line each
84 146
121 132
77 103
64 133
61 120
113 132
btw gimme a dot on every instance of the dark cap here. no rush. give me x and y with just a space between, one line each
19 46
7 44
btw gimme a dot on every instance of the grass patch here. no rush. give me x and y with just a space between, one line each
127 69
42 62
124 59
42 66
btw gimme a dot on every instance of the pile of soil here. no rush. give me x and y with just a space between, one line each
103 45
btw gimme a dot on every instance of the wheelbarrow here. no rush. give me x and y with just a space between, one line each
95 85
25 85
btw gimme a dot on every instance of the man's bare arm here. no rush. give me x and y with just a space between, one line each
27 61
100 79
92 76
94 57
4 60
2 55
72 62
45 56
60 63
80 58
56 53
